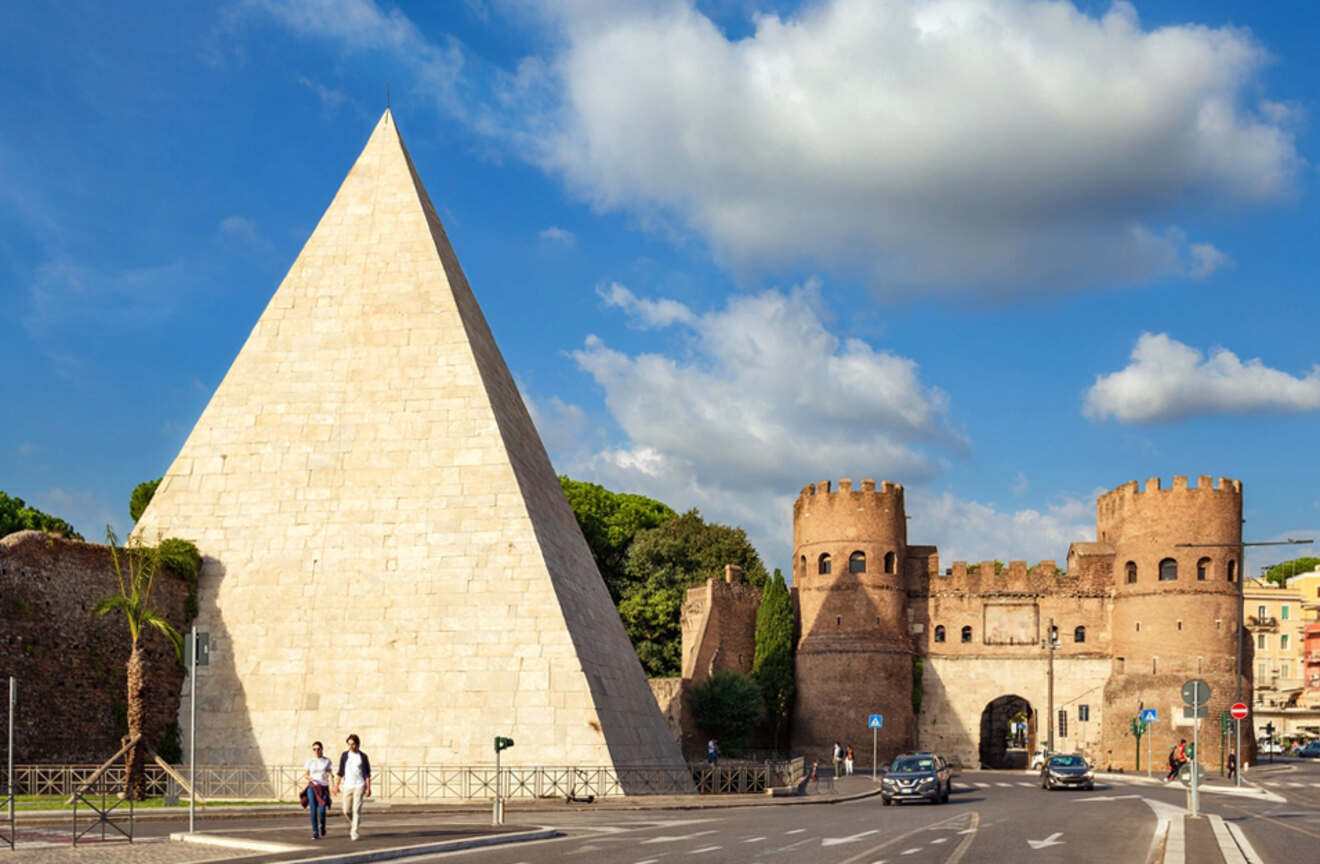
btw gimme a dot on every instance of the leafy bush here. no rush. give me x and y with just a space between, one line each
728 706
141 497
16 515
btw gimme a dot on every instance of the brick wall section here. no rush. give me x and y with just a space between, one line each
69 665
719 627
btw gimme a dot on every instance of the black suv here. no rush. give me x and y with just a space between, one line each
1067 772
916 776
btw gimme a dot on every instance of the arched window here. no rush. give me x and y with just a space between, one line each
823 564
1131 572
967 634
857 562
889 562
803 562
1079 634
1168 570
939 632
1202 569
1232 570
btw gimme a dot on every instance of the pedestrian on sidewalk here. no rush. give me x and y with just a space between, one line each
1232 765
838 757
316 796
354 782
848 761
712 751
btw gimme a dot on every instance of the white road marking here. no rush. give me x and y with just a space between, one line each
982 785
837 841
1052 840
1105 798
940 840
1028 785
912 850
968 831
753 839
1005 785
1227 846
669 839
1248 851
705 849
796 831
649 861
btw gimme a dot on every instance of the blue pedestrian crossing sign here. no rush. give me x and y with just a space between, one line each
1150 715
877 721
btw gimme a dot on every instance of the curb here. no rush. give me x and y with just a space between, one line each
376 855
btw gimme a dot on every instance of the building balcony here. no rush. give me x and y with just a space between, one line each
1257 622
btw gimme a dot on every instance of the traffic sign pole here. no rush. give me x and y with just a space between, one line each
875 737
1196 747
1146 729
1237 771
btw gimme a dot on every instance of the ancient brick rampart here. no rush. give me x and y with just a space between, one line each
70 666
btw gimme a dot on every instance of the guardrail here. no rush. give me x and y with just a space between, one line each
433 782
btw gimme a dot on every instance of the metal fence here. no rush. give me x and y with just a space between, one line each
436 782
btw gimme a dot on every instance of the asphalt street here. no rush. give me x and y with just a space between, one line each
993 816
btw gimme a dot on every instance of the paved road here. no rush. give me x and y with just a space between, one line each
992 817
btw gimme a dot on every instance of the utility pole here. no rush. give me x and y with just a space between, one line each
1050 643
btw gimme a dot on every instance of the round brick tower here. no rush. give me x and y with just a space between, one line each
1177 567
854 657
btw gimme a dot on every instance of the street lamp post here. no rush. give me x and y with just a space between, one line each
1051 644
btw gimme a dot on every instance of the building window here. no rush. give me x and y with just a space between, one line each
1131 572
1283 642
1262 671
1179 624
1260 611
1202 569
939 632
1154 665
838 620
1138 626
967 634
889 562
823 565
1260 641
1232 570
1219 623
803 563
1168 570
1079 634
1283 612
857 562
1285 669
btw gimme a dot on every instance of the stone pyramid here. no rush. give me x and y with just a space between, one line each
386 547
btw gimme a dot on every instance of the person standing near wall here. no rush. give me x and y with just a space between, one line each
318 789
838 758
353 782
848 761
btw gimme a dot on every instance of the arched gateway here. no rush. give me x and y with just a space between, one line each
1008 733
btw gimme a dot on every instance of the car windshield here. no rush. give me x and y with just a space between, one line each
1067 762
913 765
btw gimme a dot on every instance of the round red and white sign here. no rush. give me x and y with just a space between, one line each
1238 711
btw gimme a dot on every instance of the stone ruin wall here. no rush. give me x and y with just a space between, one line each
70 666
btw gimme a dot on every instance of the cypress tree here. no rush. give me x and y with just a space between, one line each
772 667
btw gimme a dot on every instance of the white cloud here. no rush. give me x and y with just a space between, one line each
975 531
1007 145
1012 143
1020 483
561 425
65 293
646 313
330 98
1167 380
561 236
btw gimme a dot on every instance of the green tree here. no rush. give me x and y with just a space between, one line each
15 515
728 706
662 563
141 497
1280 573
610 521
136 570
772 668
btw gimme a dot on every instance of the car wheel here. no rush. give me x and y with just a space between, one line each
886 801
1090 787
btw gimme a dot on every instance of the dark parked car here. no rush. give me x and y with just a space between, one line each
1066 772
917 776
1310 750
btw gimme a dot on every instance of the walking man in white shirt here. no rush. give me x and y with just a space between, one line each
353 782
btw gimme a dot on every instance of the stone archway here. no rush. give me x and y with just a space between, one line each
1006 742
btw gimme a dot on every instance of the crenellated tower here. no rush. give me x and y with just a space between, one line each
1176 566
854 655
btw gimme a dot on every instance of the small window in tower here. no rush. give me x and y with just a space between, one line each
1079 634
1168 570
857 562
823 564
1154 665
1120 665
1219 623
1232 570
803 565
1131 572
838 620
1138 626
939 632
1179 624
1202 569
967 634
889 562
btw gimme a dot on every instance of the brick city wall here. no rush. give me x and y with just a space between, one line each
70 666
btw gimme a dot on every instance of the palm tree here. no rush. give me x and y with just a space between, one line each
137 576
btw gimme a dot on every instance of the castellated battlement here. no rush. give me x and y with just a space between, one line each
825 493
1133 492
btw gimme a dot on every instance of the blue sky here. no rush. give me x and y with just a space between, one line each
1007 254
